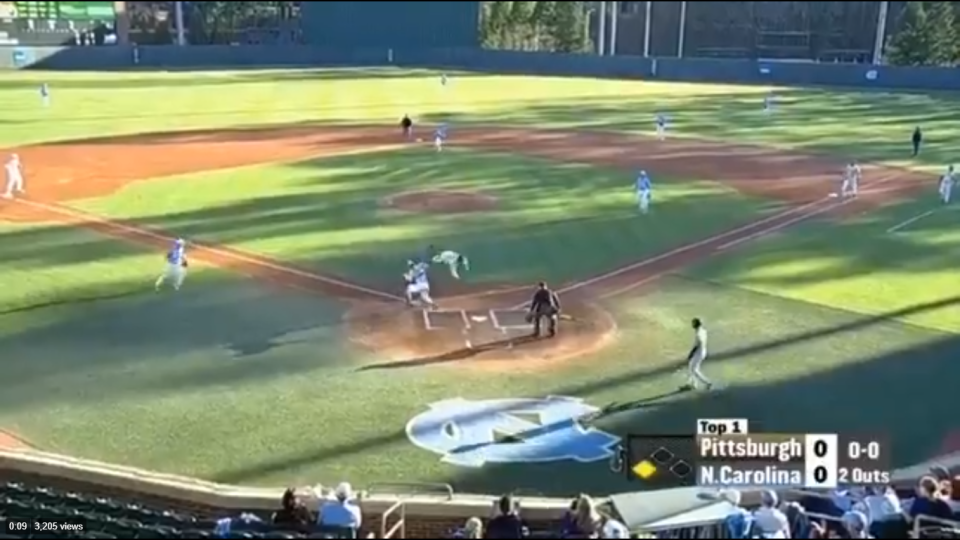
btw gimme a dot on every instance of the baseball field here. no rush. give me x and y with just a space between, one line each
289 357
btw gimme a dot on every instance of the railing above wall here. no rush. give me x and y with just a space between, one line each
703 70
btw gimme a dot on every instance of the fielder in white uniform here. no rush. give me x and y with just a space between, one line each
851 180
418 285
176 270
14 177
453 260
439 137
695 377
661 127
644 192
768 104
946 185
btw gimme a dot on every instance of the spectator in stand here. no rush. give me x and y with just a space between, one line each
954 499
506 523
768 520
739 522
855 524
586 519
292 515
472 529
929 500
882 507
342 510
612 528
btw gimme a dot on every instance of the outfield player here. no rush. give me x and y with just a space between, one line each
644 192
695 377
14 173
176 270
661 121
453 260
946 185
439 137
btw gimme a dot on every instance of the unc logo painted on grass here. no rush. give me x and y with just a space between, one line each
465 432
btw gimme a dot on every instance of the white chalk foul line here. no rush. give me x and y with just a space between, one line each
774 228
910 221
683 249
232 254
830 206
768 230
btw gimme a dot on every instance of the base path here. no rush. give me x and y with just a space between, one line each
62 172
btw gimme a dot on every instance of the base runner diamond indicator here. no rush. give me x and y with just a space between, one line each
645 470
681 469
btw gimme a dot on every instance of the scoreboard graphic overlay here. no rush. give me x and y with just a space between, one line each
725 453
58 11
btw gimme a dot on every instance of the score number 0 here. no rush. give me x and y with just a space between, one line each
855 451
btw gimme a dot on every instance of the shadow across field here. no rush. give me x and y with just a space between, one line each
810 402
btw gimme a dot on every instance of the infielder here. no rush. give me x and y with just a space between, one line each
695 377
851 180
14 177
45 94
661 121
454 262
946 185
418 285
768 104
644 192
439 137
176 270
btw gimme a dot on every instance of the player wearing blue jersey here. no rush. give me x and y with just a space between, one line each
439 137
661 122
418 284
176 270
644 192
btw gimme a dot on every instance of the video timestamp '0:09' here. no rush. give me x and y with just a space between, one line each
45 524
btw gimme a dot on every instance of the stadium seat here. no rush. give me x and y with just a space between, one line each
196 533
98 535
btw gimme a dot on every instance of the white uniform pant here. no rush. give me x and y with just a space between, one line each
661 132
14 183
945 192
643 201
850 187
421 290
174 273
438 143
695 376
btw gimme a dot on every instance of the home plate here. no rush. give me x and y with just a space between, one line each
478 318
834 195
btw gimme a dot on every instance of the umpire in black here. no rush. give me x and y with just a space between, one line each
545 304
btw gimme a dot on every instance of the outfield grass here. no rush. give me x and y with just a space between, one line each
327 214
802 323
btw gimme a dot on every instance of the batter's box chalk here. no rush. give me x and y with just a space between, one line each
441 319
509 319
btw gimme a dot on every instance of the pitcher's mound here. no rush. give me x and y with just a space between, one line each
441 201
473 334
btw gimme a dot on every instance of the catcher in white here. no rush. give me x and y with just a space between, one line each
453 260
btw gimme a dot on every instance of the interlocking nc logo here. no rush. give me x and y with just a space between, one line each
660 461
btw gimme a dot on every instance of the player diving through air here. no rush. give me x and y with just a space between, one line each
453 260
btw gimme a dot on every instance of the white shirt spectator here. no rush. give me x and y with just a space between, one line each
883 506
768 521
341 511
